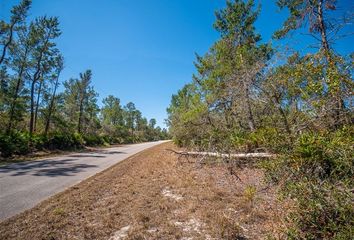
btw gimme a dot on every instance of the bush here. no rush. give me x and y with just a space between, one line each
38 142
21 143
266 138
317 174
324 211
15 143
94 140
324 155
64 141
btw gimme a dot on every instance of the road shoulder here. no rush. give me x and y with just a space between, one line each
154 194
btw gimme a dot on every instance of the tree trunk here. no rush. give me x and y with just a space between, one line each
283 115
132 126
250 117
15 96
37 105
322 26
80 116
32 108
34 81
51 106
338 101
7 44
36 77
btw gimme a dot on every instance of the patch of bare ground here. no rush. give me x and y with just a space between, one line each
156 195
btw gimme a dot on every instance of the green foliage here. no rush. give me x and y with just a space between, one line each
304 13
246 98
237 20
324 155
64 141
318 176
20 143
94 140
269 138
324 210
16 143
250 193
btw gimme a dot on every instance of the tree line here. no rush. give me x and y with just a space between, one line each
248 95
34 114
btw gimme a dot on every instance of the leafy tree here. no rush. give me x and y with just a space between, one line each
43 31
20 52
324 27
80 101
305 12
112 111
152 123
59 62
246 58
7 30
130 116
17 61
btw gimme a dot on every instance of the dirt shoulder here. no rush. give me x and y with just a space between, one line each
155 195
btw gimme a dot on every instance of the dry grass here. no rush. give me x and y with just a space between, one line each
154 195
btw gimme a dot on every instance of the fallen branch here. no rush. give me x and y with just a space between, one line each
225 155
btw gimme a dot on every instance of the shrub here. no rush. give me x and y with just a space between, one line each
324 211
94 140
324 155
317 174
20 143
64 141
15 143
38 142
250 194
267 138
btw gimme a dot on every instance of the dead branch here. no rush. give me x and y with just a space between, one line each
225 155
180 154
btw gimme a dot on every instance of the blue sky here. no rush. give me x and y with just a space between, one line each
143 51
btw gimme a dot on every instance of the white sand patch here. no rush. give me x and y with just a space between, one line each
121 233
152 230
168 193
191 225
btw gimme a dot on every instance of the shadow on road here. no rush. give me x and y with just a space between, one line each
114 152
86 156
106 152
51 168
95 154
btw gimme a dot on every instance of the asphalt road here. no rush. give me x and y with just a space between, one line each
24 185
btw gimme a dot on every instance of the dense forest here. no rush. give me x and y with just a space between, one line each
248 96
35 115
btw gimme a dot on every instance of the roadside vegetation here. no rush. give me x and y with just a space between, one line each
35 115
249 96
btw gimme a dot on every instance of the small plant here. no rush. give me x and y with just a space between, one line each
250 194
59 211
229 228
